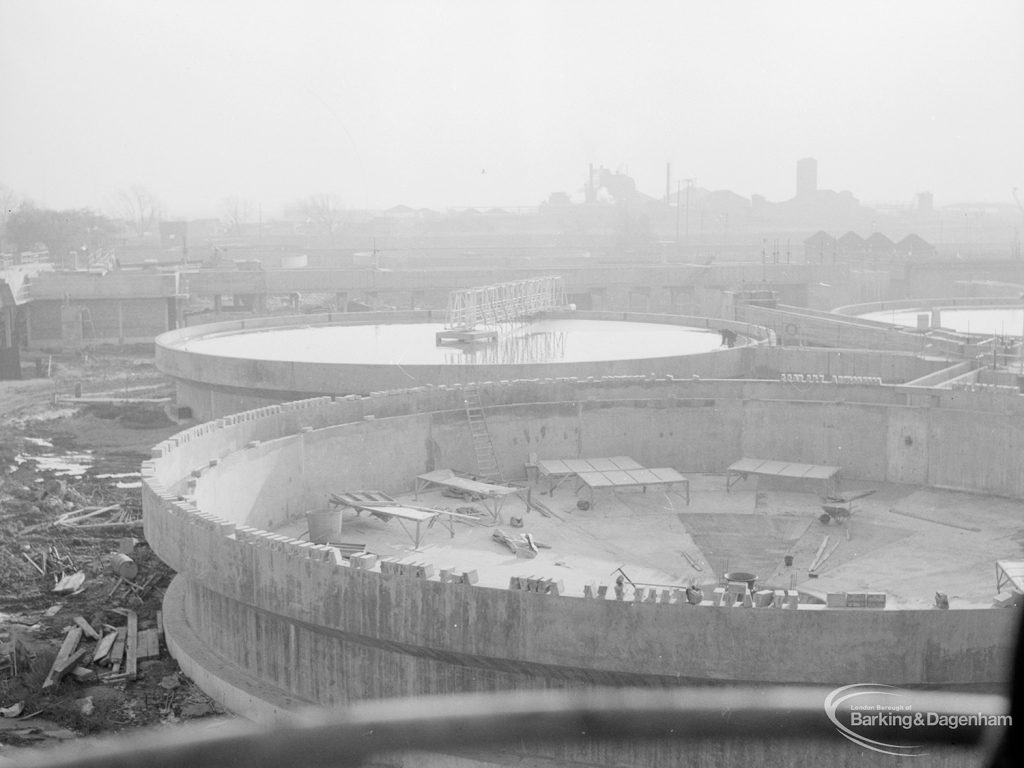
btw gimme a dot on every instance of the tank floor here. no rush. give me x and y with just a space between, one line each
908 542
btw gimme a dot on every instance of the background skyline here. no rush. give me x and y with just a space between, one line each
478 103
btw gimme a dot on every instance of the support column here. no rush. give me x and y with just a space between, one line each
8 327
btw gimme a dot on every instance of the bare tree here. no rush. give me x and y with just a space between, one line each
139 208
237 213
323 214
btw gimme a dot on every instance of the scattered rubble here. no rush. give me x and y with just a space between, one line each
81 632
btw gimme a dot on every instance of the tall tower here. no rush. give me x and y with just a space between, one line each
806 177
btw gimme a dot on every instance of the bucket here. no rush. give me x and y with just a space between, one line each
742 576
788 559
324 525
123 566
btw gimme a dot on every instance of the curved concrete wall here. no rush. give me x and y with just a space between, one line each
267 623
213 385
296 617
897 305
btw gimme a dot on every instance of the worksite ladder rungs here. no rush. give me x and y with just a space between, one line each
486 459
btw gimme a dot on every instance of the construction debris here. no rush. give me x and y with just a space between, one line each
70 584
66 658
86 628
522 544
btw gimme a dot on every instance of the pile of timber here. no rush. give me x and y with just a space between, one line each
116 651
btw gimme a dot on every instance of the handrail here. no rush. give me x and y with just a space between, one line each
346 737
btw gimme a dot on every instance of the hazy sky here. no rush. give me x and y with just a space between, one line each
470 102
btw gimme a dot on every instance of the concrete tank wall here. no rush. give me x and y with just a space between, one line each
212 385
296 617
269 622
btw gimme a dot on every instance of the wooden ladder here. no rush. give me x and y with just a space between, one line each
486 459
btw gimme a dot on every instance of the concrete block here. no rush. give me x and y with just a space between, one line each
718 595
652 596
554 587
666 596
602 591
856 600
727 598
470 577
389 567
447 575
763 598
875 600
335 557
422 570
748 602
590 590
638 594
515 583
835 599
792 599
780 598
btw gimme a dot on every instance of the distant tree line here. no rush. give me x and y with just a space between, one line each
27 227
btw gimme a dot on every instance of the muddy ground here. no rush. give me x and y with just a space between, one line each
70 448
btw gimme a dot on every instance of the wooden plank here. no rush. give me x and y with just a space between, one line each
148 644
87 628
67 651
59 670
693 563
827 555
814 562
131 646
117 652
104 646
160 624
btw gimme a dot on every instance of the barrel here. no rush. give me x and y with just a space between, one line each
123 566
324 525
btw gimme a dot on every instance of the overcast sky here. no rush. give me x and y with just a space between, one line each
470 102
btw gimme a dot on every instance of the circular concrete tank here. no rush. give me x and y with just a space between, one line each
228 367
975 316
265 621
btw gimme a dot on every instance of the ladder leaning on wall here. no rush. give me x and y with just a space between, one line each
486 459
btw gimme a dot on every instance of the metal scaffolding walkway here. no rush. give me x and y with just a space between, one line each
499 304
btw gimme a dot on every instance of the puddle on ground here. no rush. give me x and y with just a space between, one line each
70 463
